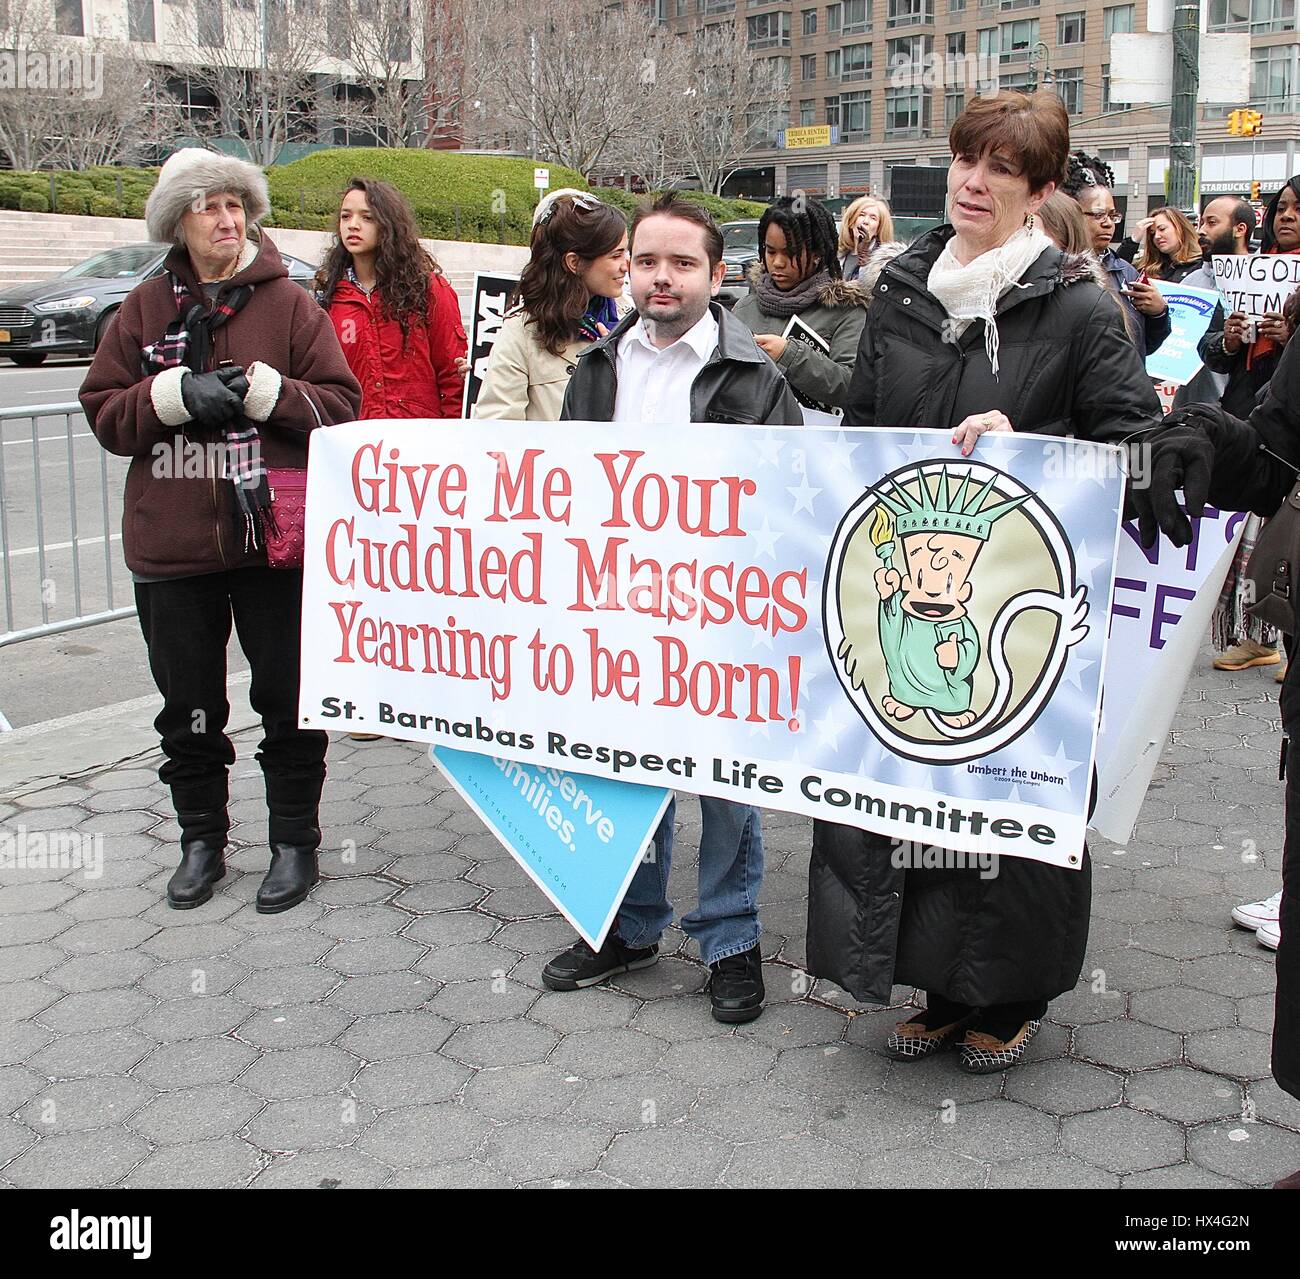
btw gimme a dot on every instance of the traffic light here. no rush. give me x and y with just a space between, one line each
1245 122
1254 190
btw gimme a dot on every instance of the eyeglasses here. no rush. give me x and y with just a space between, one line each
1103 217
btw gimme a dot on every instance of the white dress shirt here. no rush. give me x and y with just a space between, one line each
655 385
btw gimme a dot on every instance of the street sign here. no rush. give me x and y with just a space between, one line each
541 178
809 135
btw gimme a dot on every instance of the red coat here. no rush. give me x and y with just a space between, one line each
415 380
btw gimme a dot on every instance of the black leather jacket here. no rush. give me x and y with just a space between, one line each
738 384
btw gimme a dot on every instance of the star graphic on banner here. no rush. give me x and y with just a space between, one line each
1013 796
1075 672
765 539
760 730
1061 763
921 449
762 638
803 496
1003 454
769 450
829 728
841 452
1087 563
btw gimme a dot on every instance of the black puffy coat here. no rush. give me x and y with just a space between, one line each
1255 465
1066 367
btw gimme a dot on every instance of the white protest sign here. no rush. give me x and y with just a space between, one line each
1256 283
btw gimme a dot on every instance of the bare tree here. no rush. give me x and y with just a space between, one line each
737 96
263 64
654 151
70 102
571 75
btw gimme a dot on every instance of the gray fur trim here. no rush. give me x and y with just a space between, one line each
877 262
192 171
1082 267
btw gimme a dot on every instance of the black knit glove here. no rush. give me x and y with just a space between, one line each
215 399
1180 455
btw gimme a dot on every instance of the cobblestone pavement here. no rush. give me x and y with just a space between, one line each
394 1030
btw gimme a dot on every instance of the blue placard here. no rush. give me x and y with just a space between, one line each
1190 313
580 838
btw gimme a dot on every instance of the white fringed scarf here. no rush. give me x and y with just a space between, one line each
971 292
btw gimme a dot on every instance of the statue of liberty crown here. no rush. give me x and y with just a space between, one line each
944 511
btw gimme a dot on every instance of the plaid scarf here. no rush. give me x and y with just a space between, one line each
188 341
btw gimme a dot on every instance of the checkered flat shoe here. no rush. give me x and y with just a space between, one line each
981 1054
911 1040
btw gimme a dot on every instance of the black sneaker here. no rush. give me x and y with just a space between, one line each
581 966
736 986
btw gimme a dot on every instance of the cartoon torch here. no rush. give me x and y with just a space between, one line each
882 535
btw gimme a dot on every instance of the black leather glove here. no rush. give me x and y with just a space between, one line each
1180 455
217 398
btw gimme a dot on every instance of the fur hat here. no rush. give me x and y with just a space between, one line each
195 171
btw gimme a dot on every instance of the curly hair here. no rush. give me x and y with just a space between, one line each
807 227
402 264
1084 171
554 298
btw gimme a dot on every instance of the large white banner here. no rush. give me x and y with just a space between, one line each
857 625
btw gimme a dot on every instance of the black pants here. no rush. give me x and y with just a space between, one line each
186 624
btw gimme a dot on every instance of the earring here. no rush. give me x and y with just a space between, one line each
1029 221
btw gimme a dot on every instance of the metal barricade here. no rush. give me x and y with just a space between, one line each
60 516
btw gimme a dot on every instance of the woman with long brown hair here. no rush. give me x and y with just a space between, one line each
396 315
1170 249
570 295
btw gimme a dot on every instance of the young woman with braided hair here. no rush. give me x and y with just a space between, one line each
1091 181
798 274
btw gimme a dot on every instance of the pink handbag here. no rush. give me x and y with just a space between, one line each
284 545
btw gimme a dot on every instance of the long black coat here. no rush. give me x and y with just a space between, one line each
1255 465
1066 367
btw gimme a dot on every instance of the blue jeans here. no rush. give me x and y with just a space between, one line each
731 873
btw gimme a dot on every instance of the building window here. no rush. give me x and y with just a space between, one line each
715 6
857 62
907 112
1069 85
855 123
1272 85
956 6
832 64
139 21
908 51
954 103
1017 40
1019 81
769 30
855 17
833 14
1259 17
810 22
807 66
68 18
855 177
956 45
833 112
909 13
807 111
681 8
1071 28
1117 20
1106 103
988 44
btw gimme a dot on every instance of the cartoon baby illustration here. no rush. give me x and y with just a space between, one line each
930 645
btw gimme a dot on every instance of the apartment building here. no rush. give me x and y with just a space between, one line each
843 61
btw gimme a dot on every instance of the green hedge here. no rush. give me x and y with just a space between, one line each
455 196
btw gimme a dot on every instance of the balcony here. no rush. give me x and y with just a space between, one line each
1005 5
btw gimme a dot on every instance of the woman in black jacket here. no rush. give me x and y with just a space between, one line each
982 325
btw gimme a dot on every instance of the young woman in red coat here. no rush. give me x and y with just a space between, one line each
396 316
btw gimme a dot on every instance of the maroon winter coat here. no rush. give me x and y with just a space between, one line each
412 378
174 524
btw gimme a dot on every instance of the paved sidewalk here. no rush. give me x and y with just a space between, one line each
394 1031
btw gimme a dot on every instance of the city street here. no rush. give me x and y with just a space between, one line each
393 1030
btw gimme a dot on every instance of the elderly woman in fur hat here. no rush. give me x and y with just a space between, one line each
225 353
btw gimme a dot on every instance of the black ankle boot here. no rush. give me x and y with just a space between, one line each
294 837
292 875
203 847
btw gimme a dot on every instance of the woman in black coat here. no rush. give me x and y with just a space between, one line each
981 325
1248 466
